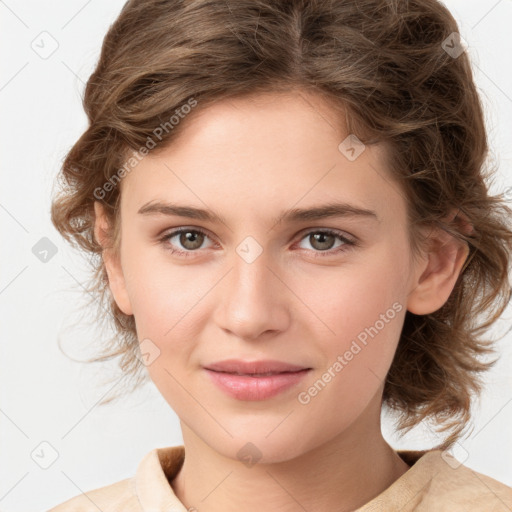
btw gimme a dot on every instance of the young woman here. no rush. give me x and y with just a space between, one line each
292 228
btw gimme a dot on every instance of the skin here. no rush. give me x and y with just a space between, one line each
248 160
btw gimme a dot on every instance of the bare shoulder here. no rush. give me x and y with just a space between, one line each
111 498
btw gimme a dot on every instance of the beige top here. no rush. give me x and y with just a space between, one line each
434 483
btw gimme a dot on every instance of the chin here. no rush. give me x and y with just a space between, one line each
257 447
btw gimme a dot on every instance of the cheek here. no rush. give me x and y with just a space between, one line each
353 297
359 312
167 300
166 304
364 313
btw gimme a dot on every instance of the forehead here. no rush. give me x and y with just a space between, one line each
263 153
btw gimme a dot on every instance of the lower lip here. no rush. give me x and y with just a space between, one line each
244 387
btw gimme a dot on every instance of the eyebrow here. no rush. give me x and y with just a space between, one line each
294 215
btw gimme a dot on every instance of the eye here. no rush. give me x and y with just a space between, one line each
323 241
190 239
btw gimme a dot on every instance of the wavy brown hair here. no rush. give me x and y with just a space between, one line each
385 64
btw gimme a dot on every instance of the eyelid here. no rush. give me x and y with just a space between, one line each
174 230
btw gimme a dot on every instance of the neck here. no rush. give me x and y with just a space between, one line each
342 474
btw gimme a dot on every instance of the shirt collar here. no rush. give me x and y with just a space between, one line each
158 468
152 479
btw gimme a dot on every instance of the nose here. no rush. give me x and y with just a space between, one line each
253 300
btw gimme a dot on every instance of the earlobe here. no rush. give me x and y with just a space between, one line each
111 260
437 278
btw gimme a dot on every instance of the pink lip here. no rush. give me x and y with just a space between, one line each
253 387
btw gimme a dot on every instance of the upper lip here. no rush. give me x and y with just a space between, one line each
254 367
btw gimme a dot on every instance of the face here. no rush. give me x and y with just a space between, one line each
265 280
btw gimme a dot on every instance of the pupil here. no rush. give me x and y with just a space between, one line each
190 237
321 237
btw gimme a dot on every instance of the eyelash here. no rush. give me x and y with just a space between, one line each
348 244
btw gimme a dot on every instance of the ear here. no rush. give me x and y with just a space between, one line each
439 269
111 260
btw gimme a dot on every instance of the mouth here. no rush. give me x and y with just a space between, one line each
256 385
255 368
266 374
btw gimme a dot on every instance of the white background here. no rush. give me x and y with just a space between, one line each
46 397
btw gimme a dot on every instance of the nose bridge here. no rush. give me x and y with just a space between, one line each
251 301
251 275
